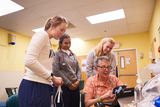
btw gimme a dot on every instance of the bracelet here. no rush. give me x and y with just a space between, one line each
99 99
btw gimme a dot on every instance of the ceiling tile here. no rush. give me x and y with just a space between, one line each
131 3
100 7
139 18
139 10
28 3
20 17
51 7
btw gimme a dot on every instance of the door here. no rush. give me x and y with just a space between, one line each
127 67
83 72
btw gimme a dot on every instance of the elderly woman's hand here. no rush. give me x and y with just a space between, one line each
108 95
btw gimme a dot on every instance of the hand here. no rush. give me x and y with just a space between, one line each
77 83
57 81
126 85
108 95
72 87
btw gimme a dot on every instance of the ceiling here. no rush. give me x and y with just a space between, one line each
138 17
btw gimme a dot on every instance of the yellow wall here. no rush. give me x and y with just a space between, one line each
155 24
12 56
139 41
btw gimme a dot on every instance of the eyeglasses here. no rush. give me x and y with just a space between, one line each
104 67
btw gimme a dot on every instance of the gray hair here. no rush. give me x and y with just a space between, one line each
101 58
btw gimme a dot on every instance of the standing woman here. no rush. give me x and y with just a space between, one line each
35 88
102 49
65 65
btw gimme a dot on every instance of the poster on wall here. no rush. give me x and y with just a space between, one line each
128 61
83 65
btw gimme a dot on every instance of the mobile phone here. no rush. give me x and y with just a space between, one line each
116 90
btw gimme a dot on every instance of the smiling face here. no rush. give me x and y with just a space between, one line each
103 73
66 44
57 32
107 47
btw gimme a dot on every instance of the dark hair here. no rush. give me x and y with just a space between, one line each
62 38
55 21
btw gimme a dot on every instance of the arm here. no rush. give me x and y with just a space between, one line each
89 100
78 73
31 61
89 63
57 70
113 64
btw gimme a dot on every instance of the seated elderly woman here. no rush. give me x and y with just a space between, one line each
100 86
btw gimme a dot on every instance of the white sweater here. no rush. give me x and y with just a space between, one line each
38 59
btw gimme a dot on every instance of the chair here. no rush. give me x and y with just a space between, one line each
11 91
82 99
2 104
12 101
81 85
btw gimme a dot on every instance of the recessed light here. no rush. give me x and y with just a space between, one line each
104 17
8 6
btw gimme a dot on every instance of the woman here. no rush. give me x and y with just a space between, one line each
65 65
102 49
100 86
35 88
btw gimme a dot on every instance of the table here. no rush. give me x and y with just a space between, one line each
125 100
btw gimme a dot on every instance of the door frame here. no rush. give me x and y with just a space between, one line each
115 51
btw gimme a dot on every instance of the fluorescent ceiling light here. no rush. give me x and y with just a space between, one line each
104 17
8 6
36 30
76 40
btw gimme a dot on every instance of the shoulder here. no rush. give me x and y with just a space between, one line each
41 36
92 79
91 53
112 54
57 52
113 77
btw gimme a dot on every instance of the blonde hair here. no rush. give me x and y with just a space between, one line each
55 21
99 48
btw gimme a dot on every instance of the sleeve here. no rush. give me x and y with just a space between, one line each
118 82
89 64
89 88
31 59
57 71
78 73
113 64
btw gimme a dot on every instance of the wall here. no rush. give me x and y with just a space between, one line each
155 24
11 61
12 56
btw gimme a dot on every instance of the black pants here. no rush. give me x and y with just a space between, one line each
70 98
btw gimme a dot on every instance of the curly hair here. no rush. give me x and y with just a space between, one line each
99 48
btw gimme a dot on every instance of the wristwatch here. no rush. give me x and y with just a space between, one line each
51 76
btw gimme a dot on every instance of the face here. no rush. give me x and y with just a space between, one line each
107 47
57 32
103 73
66 44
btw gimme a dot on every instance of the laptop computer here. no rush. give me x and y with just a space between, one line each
126 92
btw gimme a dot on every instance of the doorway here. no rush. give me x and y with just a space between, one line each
127 66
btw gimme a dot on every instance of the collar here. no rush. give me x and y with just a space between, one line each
66 51
97 82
